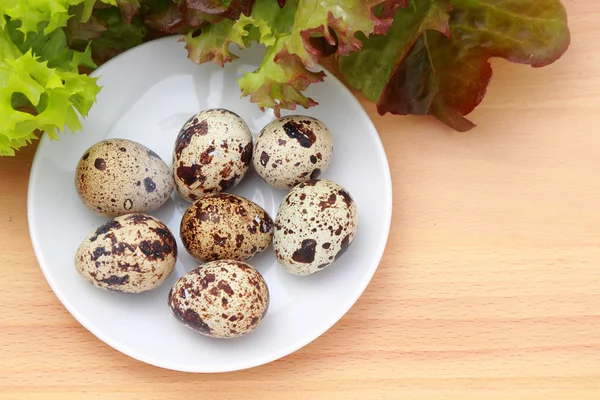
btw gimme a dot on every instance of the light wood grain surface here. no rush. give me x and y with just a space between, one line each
489 287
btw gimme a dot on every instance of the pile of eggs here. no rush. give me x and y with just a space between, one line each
224 297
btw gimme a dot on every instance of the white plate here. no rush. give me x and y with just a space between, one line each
149 92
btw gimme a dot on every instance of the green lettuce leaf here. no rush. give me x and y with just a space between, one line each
338 22
52 95
279 81
169 19
424 57
213 43
448 76
53 13
286 30
114 34
370 69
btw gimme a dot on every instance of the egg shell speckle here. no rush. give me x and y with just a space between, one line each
225 226
212 153
222 299
315 224
119 176
291 150
132 253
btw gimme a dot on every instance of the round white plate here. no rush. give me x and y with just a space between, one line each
148 93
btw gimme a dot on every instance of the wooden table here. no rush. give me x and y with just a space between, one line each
489 287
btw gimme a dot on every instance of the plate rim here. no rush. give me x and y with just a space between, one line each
255 362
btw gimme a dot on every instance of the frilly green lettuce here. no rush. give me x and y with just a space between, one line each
424 57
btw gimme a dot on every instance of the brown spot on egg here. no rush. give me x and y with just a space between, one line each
116 280
208 278
190 175
226 171
203 216
86 156
105 228
306 253
119 248
246 156
207 155
187 316
346 197
303 134
313 159
219 240
209 215
155 249
264 159
282 142
329 203
227 184
100 164
185 136
315 174
112 237
225 287
99 252
239 240
241 211
242 266
326 246
343 247
167 237
149 185
124 266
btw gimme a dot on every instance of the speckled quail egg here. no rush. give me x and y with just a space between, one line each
119 176
222 299
212 153
225 226
132 253
292 150
315 225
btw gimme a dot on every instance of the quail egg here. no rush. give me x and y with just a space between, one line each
132 253
119 176
315 224
212 153
225 226
291 150
222 299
